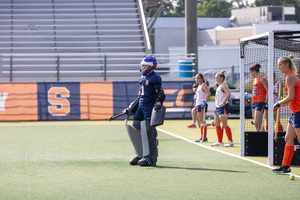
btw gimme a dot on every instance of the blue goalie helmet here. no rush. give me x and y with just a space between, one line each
150 61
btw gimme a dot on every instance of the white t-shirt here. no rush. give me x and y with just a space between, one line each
220 95
200 95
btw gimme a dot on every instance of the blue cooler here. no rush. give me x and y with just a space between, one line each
185 67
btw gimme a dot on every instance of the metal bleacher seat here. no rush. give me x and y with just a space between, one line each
48 28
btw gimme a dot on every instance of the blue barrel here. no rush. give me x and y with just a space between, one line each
185 67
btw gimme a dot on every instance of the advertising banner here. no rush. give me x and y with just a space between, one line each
58 101
18 102
84 101
96 100
179 97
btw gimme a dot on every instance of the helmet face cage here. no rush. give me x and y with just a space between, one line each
151 62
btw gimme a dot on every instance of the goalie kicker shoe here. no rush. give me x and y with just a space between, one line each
134 160
146 161
282 169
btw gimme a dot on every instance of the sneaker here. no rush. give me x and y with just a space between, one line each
192 126
230 144
282 169
218 144
205 140
200 140
134 160
146 161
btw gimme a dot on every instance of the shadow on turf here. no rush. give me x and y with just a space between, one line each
201 169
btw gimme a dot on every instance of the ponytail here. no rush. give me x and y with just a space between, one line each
255 67
292 65
222 74
289 60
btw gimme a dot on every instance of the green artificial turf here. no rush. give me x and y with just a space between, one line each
89 160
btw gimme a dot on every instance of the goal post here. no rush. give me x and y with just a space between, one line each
265 49
271 65
250 51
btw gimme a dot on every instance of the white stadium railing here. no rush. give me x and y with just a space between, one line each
86 67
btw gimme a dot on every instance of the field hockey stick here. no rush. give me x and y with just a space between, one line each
130 110
116 116
278 114
277 123
203 125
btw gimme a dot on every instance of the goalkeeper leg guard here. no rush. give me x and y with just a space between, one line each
136 140
149 143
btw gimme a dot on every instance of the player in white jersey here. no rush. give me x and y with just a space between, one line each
222 107
202 97
194 112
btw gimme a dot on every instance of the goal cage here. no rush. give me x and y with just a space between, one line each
266 49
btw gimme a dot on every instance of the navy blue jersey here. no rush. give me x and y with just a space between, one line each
148 85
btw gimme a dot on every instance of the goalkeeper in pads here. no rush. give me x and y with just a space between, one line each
151 95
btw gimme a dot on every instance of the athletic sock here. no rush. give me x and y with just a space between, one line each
219 133
228 133
201 131
288 155
205 131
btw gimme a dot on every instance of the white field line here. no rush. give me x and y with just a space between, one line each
217 150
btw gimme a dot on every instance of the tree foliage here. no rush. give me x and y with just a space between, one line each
168 10
214 8
222 8
205 8
238 4
180 9
171 9
267 2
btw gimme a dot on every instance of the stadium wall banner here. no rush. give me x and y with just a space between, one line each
84 100
178 102
18 101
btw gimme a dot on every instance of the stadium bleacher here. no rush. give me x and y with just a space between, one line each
68 40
